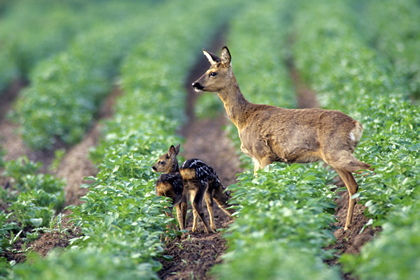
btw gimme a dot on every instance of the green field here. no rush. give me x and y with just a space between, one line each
359 57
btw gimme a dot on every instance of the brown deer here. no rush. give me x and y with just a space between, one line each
198 181
273 134
199 176
170 184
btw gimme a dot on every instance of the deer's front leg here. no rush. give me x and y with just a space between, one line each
256 165
261 164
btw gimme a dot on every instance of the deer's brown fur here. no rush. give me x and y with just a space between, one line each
273 134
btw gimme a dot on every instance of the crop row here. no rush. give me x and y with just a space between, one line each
283 214
32 31
351 77
122 220
67 89
399 42
31 201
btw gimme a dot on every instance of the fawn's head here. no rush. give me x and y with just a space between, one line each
218 76
168 163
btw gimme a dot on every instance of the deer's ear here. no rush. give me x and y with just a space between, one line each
225 56
171 150
213 59
177 149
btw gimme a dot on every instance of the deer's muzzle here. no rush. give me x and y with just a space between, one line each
197 87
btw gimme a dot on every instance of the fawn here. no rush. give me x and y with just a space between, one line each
273 134
170 184
199 177
198 181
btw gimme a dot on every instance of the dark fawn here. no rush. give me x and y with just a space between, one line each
170 184
199 181
199 177
273 134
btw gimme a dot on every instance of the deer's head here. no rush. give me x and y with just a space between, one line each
168 163
218 76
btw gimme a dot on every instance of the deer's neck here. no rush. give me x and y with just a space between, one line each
236 105
175 167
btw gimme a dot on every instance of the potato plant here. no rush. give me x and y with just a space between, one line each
398 42
367 88
350 76
68 88
25 40
122 219
33 198
284 214
32 201
394 254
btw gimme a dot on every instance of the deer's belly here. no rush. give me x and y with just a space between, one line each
300 150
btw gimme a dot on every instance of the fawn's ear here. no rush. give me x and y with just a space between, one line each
213 59
225 56
177 149
173 150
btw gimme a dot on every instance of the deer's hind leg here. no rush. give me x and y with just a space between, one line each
197 193
209 202
221 198
352 188
181 212
345 163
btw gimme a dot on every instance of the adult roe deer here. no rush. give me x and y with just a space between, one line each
269 134
199 181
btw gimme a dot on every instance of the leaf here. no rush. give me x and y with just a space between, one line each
36 222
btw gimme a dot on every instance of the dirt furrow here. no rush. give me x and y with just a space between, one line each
195 254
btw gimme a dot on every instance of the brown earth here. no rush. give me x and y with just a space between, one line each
194 254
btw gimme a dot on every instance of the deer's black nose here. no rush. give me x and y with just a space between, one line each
198 86
154 168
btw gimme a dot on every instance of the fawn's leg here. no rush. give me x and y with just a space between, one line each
179 201
192 194
221 198
168 213
352 188
197 205
179 216
184 207
209 202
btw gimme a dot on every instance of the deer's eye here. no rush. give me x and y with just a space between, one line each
213 74
161 162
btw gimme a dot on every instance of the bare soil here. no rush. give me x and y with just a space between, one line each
196 253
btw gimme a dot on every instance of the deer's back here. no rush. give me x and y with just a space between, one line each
196 169
294 135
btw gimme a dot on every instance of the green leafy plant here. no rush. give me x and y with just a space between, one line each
122 220
64 20
350 76
33 198
75 81
394 254
398 42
